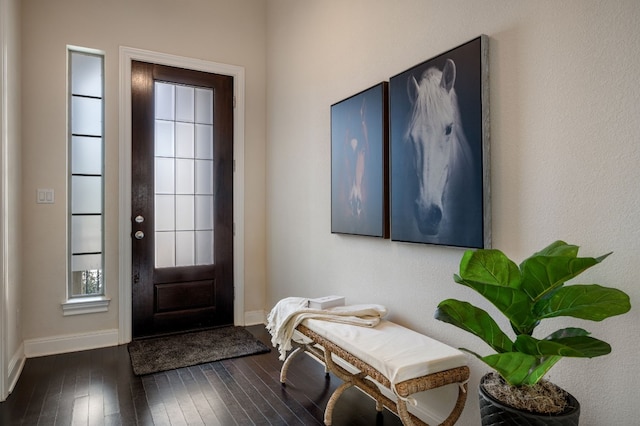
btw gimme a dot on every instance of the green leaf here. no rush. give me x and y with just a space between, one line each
558 248
543 274
591 302
497 278
520 369
575 346
513 303
514 367
541 369
474 320
489 267
567 332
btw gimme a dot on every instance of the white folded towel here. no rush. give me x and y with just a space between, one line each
291 311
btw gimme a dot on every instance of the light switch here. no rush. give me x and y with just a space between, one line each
45 196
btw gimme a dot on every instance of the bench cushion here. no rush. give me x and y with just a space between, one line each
395 351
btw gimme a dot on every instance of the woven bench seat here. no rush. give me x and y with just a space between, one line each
401 360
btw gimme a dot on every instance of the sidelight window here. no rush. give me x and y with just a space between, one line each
86 174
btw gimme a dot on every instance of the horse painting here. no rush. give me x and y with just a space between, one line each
356 152
440 149
358 144
437 181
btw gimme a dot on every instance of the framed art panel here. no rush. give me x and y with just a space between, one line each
439 123
359 163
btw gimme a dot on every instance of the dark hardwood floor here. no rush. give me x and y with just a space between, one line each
98 387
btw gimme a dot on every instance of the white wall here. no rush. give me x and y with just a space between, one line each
224 31
564 141
564 151
10 230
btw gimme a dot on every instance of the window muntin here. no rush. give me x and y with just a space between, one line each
86 174
183 175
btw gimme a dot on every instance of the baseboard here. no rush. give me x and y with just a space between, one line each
15 367
254 317
70 343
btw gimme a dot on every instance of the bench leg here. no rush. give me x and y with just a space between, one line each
457 409
403 413
359 380
285 365
409 420
328 412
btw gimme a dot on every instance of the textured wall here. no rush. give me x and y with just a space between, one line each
564 142
221 31
11 234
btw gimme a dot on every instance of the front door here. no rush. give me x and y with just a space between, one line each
181 199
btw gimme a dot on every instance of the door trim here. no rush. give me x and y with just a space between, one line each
4 140
128 54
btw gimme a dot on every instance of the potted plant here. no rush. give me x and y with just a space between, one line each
527 294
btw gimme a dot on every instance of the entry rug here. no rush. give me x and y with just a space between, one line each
199 347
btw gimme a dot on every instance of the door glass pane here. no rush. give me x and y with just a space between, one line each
184 140
86 234
86 75
164 138
184 104
204 106
87 194
86 262
204 250
204 142
184 176
204 212
184 213
165 249
178 176
87 155
204 177
165 101
165 212
185 248
86 116
165 181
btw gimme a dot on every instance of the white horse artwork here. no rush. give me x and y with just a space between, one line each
442 171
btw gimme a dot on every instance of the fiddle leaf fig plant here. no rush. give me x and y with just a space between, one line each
526 294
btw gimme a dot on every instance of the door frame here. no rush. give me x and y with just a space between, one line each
4 281
128 54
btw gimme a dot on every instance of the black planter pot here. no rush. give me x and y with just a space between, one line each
494 413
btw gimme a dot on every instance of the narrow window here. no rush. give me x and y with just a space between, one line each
86 174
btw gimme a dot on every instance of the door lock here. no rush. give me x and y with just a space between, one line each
139 235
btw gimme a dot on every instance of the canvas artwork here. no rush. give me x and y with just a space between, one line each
359 164
439 123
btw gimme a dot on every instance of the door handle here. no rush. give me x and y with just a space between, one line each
139 235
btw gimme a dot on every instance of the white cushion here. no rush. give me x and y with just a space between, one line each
398 353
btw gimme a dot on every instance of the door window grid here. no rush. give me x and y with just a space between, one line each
183 175
86 187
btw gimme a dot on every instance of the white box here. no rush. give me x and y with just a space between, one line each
326 302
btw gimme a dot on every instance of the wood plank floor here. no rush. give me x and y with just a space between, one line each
98 387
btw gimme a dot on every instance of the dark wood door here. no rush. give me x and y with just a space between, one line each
182 199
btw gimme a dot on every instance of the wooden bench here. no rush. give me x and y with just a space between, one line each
401 360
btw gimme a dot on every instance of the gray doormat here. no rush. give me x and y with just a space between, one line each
183 350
